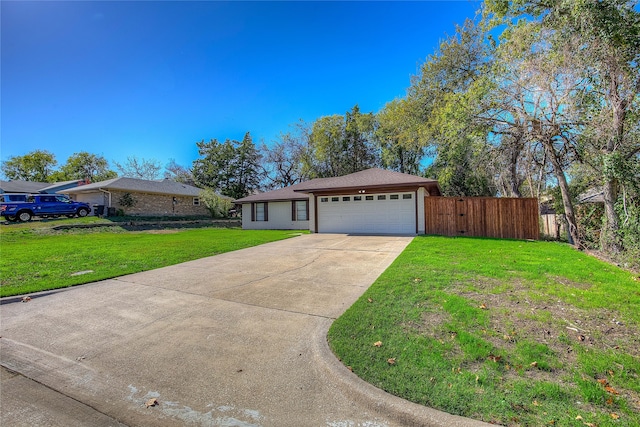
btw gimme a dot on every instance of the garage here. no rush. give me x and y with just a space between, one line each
382 213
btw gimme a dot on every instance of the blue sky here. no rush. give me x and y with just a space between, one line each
150 78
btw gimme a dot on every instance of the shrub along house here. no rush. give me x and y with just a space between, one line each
143 197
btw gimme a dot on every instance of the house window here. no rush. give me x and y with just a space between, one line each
346 199
357 198
368 197
196 201
406 196
324 199
300 210
260 211
335 199
382 197
393 197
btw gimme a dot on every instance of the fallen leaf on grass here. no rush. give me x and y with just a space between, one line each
578 417
378 343
611 390
369 299
483 307
609 401
417 280
533 364
151 402
615 416
494 358
391 361
603 382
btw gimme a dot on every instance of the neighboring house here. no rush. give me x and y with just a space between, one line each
141 197
18 186
373 201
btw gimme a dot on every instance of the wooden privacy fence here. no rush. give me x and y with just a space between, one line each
508 218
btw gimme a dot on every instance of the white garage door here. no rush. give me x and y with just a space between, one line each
368 214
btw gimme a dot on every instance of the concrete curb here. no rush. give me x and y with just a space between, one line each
401 410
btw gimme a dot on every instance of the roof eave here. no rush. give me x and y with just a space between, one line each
283 199
350 189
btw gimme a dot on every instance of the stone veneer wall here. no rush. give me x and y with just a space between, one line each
158 204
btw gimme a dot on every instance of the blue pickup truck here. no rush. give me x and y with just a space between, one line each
43 206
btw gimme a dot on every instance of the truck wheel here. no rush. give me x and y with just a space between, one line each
82 212
24 216
11 218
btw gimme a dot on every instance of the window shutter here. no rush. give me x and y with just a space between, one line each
293 210
266 211
253 211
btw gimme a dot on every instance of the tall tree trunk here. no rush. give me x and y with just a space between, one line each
610 239
564 190
514 182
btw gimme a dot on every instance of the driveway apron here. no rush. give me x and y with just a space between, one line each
236 339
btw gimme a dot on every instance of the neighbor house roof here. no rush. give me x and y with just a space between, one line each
594 195
370 179
57 186
135 185
19 186
286 193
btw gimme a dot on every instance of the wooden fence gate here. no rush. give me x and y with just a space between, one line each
507 218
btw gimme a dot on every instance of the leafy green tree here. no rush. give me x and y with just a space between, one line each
326 149
217 205
247 171
214 168
446 99
139 168
602 40
84 166
37 166
340 145
231 168
398 135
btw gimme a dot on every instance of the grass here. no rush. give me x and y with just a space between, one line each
509 332
36 257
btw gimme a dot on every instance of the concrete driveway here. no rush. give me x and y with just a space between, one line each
236 339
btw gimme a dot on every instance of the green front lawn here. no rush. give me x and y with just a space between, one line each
34 257
510 332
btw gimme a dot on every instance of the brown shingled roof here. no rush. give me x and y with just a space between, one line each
286 193
163 186
369 178
366 179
